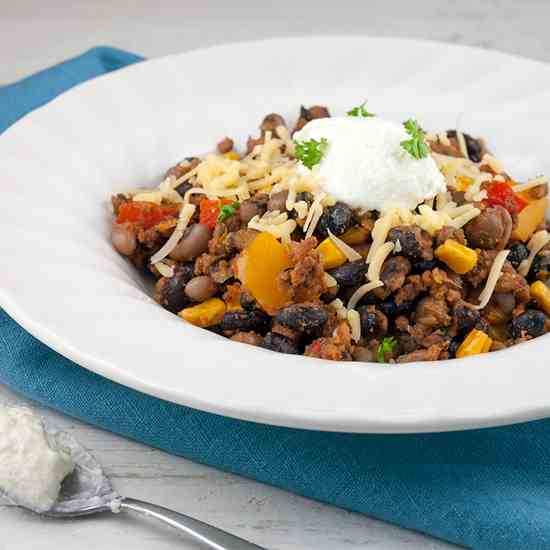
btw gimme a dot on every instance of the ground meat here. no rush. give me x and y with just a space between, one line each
412 288
204 263
316 111
290 334
480 272
217 244
432 313
305 280
240 239
415 243
511 282
225 145
442 284
449 232
221 271
336 347
366 220
250 338
430 354
451 149
490 230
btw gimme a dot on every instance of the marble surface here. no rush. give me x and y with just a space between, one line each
33 37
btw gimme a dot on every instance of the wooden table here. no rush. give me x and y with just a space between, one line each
33 37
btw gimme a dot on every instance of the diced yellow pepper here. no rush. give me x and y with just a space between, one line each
541 293
458 257
331 254
232 155
209 313
355 235
476 342
529 218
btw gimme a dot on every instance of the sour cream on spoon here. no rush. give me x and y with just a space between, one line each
365 165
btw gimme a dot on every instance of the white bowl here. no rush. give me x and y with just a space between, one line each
64 283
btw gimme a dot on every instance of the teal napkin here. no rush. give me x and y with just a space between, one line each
484 489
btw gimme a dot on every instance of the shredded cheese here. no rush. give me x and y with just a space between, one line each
275 223
186 213
148 196
462 144
375 267
494 164
351 254
164 269
330 281
380 232
492 279
537 242
354 321
341 311
362 291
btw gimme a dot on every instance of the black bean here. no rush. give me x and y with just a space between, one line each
302 318
338 219
540 269
247 301
170 291
391 309
369 320
453 347
530 323
182 188
466 317
245 321
277 342
473 146
351 273
518 253
425 265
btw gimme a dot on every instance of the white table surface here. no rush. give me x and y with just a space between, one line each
35 34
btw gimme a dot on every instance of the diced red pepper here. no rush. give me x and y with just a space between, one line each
145 214
210 210
501 193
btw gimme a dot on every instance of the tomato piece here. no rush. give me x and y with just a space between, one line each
500 193
210 211
145 214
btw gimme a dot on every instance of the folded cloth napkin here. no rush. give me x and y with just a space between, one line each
484 489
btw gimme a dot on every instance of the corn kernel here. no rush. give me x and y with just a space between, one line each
476 342
208 313
232 155
332 256
463 182
458 257
541 293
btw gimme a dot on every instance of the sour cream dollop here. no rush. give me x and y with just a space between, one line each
32 463
366 167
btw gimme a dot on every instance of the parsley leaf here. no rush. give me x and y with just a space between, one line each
360 111
228 210
387 345
416 146
310 152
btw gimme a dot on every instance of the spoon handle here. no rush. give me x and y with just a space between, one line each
211 536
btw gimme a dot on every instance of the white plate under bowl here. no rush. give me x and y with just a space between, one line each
64 283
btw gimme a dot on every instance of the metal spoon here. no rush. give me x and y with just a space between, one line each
88 491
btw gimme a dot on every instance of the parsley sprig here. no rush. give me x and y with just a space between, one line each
360 111
388 344
416 146
228 210
311 151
